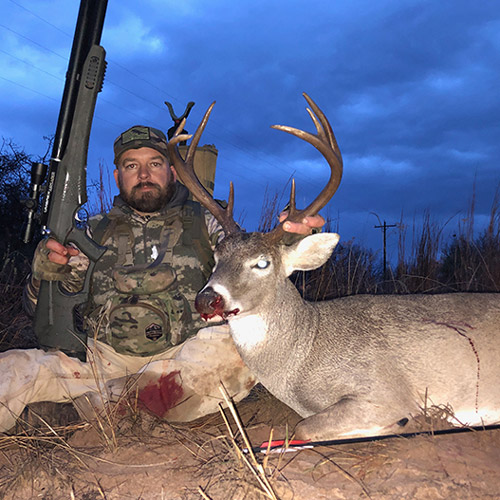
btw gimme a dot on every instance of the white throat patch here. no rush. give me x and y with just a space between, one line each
248 331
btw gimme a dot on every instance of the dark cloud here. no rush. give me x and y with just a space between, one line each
409 86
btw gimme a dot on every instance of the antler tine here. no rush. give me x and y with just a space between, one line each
186 173
323 120
230 201
324 141
291 204
197 135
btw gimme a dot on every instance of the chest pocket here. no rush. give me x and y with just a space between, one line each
147 314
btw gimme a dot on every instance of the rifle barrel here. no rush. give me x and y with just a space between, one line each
88 32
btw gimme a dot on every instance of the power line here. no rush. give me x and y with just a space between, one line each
41 18
32 41
30 89
384 228
243 149
104 120
102 99
30 64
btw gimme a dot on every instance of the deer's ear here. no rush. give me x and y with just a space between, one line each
309 253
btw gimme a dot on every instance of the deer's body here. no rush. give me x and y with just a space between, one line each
384 356
355 366
358 365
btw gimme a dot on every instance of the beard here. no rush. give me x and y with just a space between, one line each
149 201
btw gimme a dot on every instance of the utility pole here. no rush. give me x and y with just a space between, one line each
384 227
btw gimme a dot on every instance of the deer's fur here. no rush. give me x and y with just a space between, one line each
358 365
354 366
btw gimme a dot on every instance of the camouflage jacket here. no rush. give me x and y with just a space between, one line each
143 288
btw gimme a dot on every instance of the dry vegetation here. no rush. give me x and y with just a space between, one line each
467 263
133 456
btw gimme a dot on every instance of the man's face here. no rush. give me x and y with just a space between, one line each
145 179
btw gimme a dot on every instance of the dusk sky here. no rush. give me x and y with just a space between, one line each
411 89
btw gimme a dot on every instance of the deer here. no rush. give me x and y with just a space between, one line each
355 366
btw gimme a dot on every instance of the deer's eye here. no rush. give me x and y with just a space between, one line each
262 264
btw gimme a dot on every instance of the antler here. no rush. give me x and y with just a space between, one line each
324 141
185 171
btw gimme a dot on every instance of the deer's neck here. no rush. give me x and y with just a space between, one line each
274 334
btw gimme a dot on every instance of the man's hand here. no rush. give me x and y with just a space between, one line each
60 254
305 227
51 260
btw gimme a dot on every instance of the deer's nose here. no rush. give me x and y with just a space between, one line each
208 301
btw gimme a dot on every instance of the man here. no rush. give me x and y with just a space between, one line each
144 336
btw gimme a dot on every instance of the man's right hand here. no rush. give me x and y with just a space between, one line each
51 260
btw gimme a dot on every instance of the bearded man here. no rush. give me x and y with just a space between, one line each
145 339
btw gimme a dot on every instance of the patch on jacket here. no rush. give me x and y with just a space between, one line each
154 331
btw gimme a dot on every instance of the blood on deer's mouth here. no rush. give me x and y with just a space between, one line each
222 314
216 308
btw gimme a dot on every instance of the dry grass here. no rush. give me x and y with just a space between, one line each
208 457
72 457
15 326
469 262
100 198
426 263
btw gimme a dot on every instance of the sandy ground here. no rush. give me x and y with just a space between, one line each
140 458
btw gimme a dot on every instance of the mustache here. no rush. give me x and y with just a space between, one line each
145 184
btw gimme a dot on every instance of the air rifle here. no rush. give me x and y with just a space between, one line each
65 192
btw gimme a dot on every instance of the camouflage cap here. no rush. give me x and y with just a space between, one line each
140 136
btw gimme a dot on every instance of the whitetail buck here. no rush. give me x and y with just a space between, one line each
354 366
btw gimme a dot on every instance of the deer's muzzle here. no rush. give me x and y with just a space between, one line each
209 304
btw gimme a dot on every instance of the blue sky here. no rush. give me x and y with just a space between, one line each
410 88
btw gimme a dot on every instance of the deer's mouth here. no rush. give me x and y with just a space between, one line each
222 314
210 304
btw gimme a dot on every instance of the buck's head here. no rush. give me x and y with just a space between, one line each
251 267
250 270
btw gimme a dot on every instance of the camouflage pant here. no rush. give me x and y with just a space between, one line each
181 384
